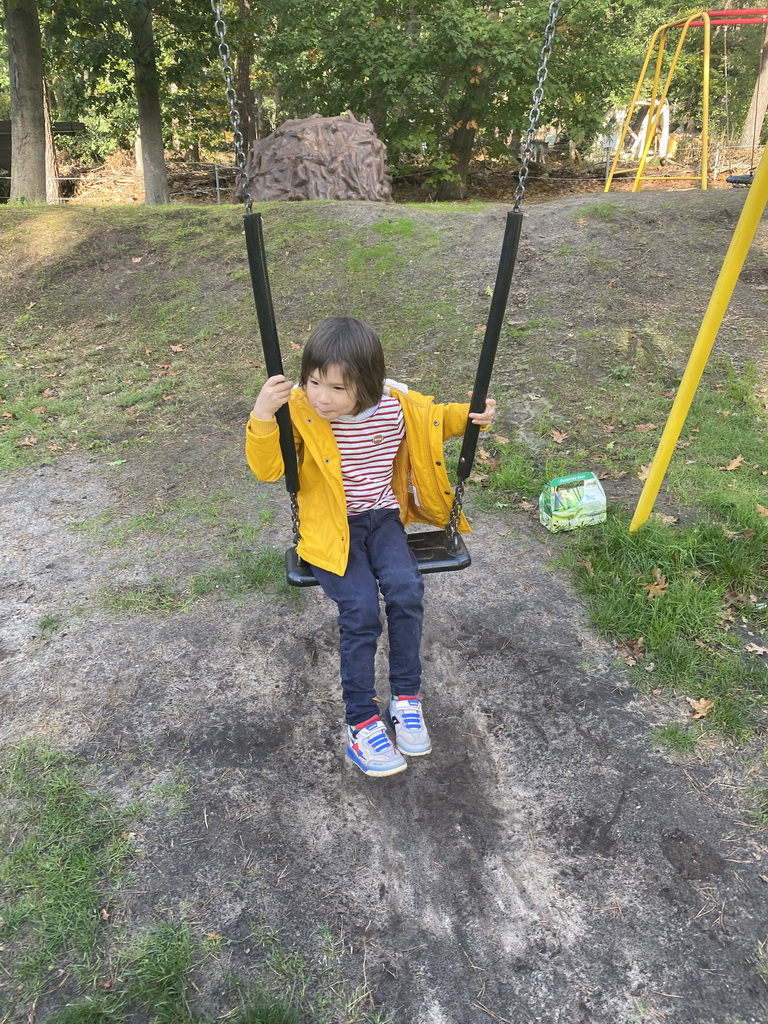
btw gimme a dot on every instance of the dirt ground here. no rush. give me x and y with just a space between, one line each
545 865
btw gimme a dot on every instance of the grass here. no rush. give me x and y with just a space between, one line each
245 563
65 855
63 847
682 595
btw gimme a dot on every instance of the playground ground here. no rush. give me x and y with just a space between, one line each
547 864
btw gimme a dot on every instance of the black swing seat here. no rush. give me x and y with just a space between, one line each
434 551
740 179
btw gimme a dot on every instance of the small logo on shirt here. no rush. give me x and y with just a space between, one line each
378 438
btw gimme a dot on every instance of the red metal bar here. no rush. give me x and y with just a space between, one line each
761 20
738 11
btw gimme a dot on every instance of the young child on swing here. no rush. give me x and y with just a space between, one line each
370 460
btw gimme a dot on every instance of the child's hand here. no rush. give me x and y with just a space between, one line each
274 394
484 418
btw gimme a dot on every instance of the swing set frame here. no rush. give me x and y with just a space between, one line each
658 98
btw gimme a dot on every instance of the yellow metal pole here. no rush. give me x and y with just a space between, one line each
651 131
650 124
705 105
757 196
633 104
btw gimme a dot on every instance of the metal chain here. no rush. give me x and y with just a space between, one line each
231 94
295 528
452 529
538 96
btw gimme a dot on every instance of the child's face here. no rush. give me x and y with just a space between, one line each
328 395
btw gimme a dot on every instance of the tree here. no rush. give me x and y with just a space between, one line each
25 63
146 81
753 124
440 81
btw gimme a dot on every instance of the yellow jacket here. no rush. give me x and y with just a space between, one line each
419 478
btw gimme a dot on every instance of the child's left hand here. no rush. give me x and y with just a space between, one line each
484 418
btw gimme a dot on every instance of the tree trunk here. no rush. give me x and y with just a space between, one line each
52 183
243 87
460 151
146 81
750 136
25 63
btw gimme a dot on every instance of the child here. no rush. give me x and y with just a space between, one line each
370 460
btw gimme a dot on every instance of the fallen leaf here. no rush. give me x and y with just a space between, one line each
701 708
756 649
659 586
28 442
527 506
668 394
761 509
661 518
642 473
104 914
733 464
501 440
643 428
136 259
558 435
38 410
633 651
30 305
177 348
49 393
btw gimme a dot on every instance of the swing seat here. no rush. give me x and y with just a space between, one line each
433 549
740 179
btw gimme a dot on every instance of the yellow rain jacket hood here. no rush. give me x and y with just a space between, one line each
419 477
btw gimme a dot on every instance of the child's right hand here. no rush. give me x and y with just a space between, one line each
274 394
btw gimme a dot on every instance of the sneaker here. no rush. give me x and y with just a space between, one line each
371 749
407 720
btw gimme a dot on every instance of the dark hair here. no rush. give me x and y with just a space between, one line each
355 348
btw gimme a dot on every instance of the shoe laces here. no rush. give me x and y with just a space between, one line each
410 714
375 735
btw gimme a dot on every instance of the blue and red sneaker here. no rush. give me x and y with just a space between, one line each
371 749
407 720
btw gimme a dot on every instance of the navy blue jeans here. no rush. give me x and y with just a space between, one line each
379 560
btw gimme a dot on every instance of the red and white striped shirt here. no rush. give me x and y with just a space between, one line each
368 445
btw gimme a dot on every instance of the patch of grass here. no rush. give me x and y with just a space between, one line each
63 849
143 598
760 961
155 972
675 738
261 570
668 588
597 211
246 570
48 625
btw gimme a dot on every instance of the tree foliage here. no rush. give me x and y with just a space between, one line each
440 81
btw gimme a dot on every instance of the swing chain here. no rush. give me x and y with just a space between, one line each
452 529
220 27
295 529
538 96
